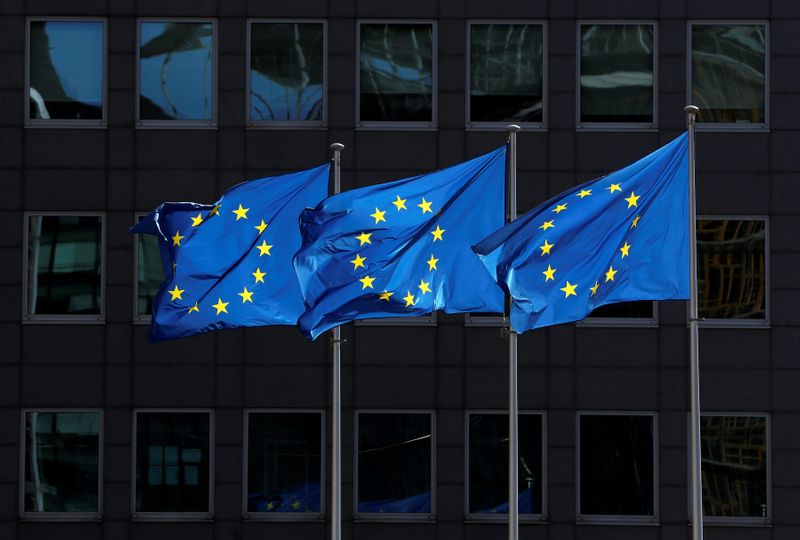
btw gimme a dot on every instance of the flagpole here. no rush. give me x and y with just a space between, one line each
336 405
694 356
513 419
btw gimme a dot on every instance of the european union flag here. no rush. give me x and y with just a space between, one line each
623 237
402 248
230 264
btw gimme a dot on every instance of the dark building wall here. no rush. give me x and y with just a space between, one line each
448 367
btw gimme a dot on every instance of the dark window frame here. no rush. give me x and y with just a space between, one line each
621 322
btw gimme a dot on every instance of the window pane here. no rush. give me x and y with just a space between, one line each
617 73
505 73
734 466
66 70
488 463
286 71
176 71
625 310
172 465
61 461
394 462
396 73
616 476
283 462
150 272
64 265
729 72
731 273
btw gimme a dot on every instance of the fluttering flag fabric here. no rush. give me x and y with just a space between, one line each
621 238
229 264
402 248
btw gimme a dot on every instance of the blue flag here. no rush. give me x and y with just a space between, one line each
402 248
230 264
623 237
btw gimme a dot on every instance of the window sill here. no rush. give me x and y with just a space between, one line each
502 519
289 517
612 322
484 322
60 517
394 518
732 127
757 523
287 126
65 320
396 126
733 324
399 321
176 125
66 124
167 517
602 128
627 521
499 126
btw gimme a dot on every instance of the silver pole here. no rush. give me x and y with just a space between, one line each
694 356
513 420
336 406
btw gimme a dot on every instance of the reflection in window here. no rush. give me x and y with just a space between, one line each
396 73
734 450
66 70
488 463
394 463
505 73
172 464
731 268
176 71
729 72
286 71
64 265
616 465
62 452
625 310
616 75
150 272
284 462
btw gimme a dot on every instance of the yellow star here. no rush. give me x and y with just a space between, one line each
432 263
632 199
264 249
241 213
569 290
614 187
610 274
259 275
220 306
378 215
261 227
296 505
560 208
437 234
176 240
247 296
584 193
366 281
423 286
400 203
364 238
194 308
594 288
549 273
358 261
176 293
425 205
547 225
624 249
215 211
409 298
546 248
197 220
385 295
635 222
270 505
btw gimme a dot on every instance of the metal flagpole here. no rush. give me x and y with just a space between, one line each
694 357
513 424
336 406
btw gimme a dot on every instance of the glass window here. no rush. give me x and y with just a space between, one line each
729 72
396 81
643 309
284 462
64 265
394 463
287 69
150 272
617 476
734 451
66 80
506 73
176 71
172 461
731 269
62 456
616 73
488 463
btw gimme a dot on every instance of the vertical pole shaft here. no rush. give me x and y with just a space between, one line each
336 391
694 356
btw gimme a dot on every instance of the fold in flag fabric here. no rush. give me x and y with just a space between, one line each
402 248
229 264
621 238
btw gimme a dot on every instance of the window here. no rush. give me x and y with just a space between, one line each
396 76
616 467
487 465
639 313
149 274
507 63
61 466
729 74
65 271
287 73
284 464
616 86
394 465
177 73
65 72
732 271
173 474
